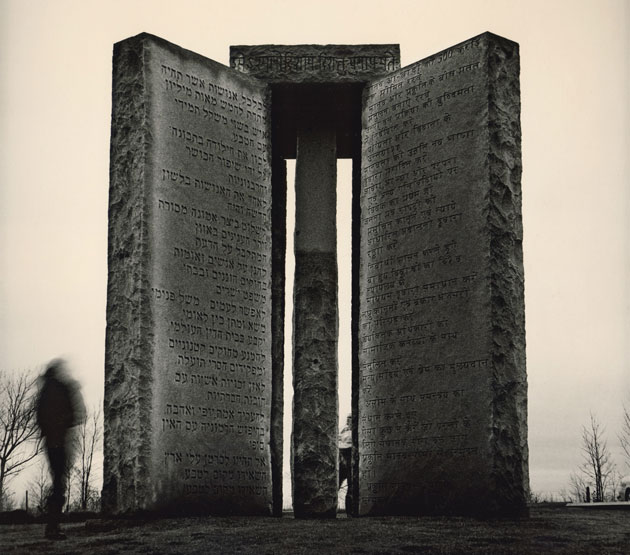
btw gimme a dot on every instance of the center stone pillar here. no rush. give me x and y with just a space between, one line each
314 452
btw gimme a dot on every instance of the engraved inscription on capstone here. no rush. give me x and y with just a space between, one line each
210 283
423 339
314 62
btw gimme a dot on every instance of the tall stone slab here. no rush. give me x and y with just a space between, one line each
188 349
442 398
315 324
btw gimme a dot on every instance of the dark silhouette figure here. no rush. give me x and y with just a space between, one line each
345 458
59 408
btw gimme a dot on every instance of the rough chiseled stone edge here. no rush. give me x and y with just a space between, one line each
279 245
128 352
315 425
505 490
136 168
313 76
510 476
353 510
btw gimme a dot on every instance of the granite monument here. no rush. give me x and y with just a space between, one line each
197 240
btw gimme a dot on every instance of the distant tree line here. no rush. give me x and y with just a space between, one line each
598 479
20 446
19 435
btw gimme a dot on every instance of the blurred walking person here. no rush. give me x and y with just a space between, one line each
59 408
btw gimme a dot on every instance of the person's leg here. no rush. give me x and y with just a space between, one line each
345 463
349 478
343 466
57 461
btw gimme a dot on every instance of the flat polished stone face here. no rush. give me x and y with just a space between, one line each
442 385
315 63
188 358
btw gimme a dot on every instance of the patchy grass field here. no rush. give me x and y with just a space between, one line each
547 531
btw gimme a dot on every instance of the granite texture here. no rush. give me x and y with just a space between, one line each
194 371
279 238
128 342
353 510
189 353
511 469
316 187
315 324
442 388
315 63
315 412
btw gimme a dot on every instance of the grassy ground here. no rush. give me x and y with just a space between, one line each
547 531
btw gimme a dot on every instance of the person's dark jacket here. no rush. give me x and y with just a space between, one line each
59 408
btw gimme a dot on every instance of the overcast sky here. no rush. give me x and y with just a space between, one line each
55 87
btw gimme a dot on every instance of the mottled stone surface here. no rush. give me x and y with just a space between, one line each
128 379
315 406
510 474
188 352
442 399
303 63
315 325
355 329
193 392
279 239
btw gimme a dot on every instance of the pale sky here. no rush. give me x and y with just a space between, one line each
55 104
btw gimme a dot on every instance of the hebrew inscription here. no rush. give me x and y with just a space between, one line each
208 277
439 381
425 334
211 286
310 63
